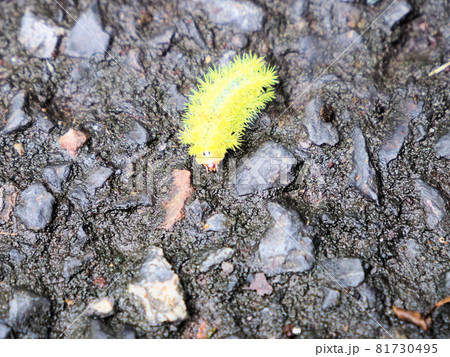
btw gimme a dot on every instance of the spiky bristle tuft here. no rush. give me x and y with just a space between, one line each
226 101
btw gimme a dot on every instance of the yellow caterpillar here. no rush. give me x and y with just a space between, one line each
226 101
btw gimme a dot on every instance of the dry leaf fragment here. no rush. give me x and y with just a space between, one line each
415 317
179 193
72 141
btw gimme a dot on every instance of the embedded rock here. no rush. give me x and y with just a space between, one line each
433 203
17 118
87 37
36 207
269 167
343 272
158 292
285 247
37 37
319 131
364 176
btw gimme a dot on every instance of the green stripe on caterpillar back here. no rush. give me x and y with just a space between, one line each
226 101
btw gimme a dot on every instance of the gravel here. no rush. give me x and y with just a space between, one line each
5 331
284 248
56 175
442 146
269 167
343 272
96 178
17 118
368 98
331 299
158 292
319 131
242 15
218 223
213 259
87 37
37 37
27 312
395 138
35 209
396 13
364 177
432 202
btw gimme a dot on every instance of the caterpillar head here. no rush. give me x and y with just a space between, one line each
210 159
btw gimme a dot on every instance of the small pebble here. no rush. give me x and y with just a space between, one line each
227 267
102 307
72 141
87 37
36 207
37 37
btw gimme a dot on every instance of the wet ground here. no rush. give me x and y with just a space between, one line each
333 211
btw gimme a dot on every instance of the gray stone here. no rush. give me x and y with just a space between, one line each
297 8
87 37
137 136
189 28
128 333
176 100
133 60
343 272
17 119
285 247
240 15
5 331
364 176
36 207
447 282
218 223
71 267
55 175
96 178
331 299
396 13
226 58
16 256
197 209
213 259
161 42
269 167
433 203
158 292
77 243
319 132
97 330
79 196
442 146
37 37
44 123
393 142
368 296
410 250
28 312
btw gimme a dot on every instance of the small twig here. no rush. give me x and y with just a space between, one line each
8 234
439 69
